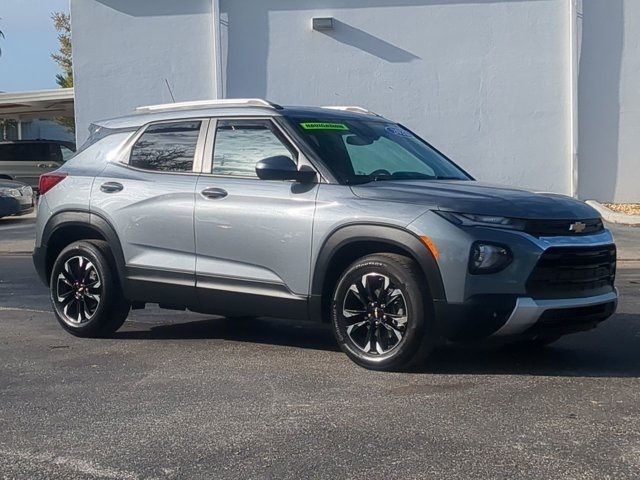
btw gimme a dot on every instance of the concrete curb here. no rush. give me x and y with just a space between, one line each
615 217
17 247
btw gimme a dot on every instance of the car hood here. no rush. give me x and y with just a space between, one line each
477 198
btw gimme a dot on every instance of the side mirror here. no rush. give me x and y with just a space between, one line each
282 167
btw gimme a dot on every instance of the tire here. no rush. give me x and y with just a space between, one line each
85 291
374 339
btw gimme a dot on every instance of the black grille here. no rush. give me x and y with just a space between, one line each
566 272
563 228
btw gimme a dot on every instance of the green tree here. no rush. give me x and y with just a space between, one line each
62 23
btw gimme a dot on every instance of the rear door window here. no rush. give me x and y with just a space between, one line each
167 147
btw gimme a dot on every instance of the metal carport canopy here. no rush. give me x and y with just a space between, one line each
38 104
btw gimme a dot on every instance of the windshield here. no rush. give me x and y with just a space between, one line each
360 151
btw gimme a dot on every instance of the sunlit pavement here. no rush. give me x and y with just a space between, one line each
180 395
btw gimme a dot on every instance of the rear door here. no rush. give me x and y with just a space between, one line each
148 197
253 236
26 161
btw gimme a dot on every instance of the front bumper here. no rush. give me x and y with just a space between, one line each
16 206
9 206
558 315
26 209
503 316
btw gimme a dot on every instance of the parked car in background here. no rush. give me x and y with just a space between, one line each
335 214
25 160
15 198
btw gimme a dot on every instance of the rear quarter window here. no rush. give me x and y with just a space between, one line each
97 133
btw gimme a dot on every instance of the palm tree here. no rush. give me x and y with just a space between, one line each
1 36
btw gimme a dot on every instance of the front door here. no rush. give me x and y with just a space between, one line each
253 236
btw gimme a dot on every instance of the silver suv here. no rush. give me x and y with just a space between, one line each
25 160
334 214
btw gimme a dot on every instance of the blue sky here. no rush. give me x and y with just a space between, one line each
26 62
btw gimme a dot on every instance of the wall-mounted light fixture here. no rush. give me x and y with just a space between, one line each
322 23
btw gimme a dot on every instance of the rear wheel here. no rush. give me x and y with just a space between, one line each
85 292
381 313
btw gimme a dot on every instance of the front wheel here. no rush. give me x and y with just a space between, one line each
85 292
381 312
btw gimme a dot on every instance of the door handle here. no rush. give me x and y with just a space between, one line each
47 165
111 187
214 193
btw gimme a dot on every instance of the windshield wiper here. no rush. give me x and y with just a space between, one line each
362 181
399 178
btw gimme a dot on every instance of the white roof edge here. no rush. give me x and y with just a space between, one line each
37 95
351 108
226 102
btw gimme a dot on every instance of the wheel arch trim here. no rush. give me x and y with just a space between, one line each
392 235
79 218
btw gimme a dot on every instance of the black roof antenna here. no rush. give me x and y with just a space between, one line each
170 92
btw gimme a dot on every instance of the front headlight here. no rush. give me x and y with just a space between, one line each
9 192
473 220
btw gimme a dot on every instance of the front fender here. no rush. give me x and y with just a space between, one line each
394 236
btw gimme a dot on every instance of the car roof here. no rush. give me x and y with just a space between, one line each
317 113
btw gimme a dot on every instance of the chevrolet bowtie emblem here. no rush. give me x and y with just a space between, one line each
577 227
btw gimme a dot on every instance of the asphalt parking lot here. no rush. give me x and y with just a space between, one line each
180 395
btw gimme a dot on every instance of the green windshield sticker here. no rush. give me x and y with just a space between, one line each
324 126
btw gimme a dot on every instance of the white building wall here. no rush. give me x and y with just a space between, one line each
123 51
486 82
609 101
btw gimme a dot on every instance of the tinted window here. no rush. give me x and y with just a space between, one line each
55 153
166 147
362 150
27 152
240 144
385 154
97 133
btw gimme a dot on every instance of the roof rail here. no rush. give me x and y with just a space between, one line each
352 108
226 102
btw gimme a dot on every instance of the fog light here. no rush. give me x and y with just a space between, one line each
488 258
